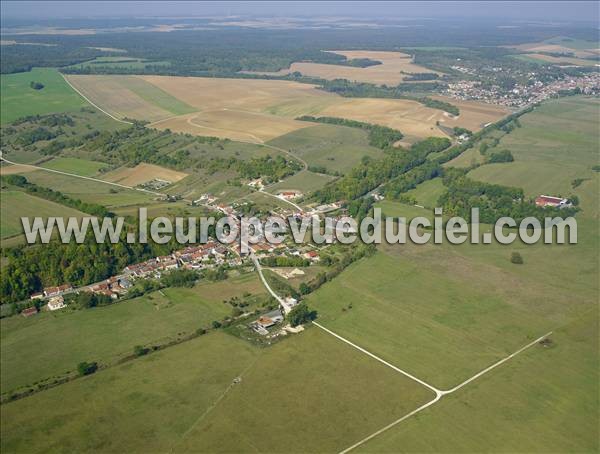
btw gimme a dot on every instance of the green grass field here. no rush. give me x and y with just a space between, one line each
309 393
105 334
77 166
337 148
557 143
19 99
428 192
17 204
544 401
304 181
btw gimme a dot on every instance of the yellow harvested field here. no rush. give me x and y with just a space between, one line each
253 110
390 72
412 118
142 173
207 94
112 94
243 126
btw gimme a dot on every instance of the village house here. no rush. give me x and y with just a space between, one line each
312 256
550 201
55 291
290 195
29 311
36 296
56 303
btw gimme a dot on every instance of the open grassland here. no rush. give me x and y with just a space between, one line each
389 72
77 166
19 99
107 334
256 111
299 392
337 148
428 192
142 173
305 182
17 204
546 399
557 143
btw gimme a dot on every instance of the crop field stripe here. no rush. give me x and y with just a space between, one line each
97 107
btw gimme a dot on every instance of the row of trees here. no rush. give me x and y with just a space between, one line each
370 174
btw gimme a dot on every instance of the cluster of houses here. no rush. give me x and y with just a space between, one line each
550 201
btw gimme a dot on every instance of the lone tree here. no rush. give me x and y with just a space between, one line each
516 258
36 85
301 314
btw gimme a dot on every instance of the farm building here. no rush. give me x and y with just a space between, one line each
55 291
55 303
550 201
29 311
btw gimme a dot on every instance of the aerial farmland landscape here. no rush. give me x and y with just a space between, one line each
299 227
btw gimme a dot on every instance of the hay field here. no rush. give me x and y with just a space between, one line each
415 120
243 126
132 176
256 111
389 72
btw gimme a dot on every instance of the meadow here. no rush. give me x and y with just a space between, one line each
296 395
17 204
77 166
19 99
336 148
109 333
556 144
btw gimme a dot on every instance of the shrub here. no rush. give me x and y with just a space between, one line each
516 258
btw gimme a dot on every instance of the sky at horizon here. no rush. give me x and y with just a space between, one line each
587 11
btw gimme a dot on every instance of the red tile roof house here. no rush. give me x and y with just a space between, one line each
549 201
29 312
55 291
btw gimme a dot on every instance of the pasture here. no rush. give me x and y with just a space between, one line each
17 204
77 166
428 192
304 181
19 99
557 143
109 333
188 399
337 148
534 391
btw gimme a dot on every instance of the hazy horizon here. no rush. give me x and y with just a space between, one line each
584 11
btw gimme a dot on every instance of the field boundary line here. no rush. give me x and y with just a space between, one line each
93 104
